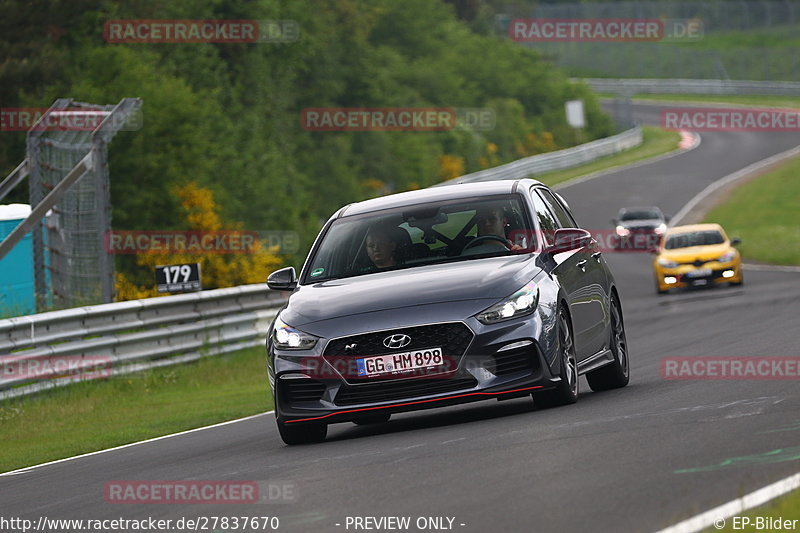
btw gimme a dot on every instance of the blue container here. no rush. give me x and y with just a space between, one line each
17 293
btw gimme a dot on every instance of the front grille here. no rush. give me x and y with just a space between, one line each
452 337
513 361
400 390
715 274
302 390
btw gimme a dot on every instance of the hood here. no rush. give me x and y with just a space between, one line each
493 278
693 253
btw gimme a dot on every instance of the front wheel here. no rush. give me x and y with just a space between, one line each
566 392
302 432
617 373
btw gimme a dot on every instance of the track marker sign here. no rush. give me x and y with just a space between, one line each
178 278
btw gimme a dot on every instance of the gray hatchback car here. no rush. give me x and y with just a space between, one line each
442 296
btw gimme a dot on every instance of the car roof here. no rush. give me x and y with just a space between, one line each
433 194
693 227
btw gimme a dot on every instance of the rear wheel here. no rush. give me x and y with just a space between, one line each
616 374
566 392
302 432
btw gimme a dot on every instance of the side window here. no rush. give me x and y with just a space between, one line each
563 216
547 222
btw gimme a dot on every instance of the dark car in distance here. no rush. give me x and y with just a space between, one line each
639 228
438 297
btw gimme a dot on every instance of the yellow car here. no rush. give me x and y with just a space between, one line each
696 255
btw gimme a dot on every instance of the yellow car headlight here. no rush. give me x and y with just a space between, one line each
667 263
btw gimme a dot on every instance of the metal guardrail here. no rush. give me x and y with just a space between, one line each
569 157
688 86
130 336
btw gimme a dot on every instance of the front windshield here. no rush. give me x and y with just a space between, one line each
694 238
409 237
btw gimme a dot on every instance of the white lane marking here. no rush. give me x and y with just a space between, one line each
154 439
730 178
736 507
619 168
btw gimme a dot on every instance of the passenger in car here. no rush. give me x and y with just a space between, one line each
381 248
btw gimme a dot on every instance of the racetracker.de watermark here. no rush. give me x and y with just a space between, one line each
731 119
14 119
200 31
604 30
619 240
77 367
397 118
199 242
731 368
133 492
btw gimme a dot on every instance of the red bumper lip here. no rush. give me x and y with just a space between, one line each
417 402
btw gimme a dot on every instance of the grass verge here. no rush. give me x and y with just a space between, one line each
765 214
792 102
101 414
655 142
786 507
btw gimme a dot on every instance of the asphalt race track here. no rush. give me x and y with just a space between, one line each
633 460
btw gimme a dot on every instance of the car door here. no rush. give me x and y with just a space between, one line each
597 284
567 270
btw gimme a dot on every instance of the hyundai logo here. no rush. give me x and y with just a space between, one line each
398 340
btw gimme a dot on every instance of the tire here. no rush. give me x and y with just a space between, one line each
375 418
302 433
616 374
566 392
659 290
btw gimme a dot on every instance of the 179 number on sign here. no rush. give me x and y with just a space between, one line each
178 278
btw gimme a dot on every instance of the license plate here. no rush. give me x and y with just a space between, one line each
703 272
400 363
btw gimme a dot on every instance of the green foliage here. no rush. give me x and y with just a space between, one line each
765 214
227 115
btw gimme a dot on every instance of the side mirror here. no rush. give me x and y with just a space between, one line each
667 218
735 241
284 279
614 221
566 239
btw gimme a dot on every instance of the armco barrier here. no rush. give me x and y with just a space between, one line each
136 335
569 157
689 86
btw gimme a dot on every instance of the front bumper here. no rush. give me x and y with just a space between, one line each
504 360
692 276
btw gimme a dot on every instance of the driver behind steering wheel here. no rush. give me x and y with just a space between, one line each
492 223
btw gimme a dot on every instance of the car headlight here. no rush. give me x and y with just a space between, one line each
661 228
521 303
286 337
727 257
623 231
667 263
